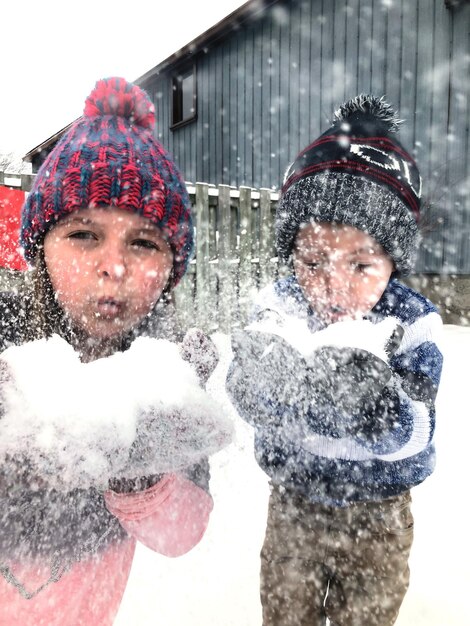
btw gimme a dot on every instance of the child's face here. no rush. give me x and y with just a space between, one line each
342 271
108 268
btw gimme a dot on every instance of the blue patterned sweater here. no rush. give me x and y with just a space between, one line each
340 470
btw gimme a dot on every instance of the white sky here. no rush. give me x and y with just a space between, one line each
53 52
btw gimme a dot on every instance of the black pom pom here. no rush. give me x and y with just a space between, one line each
370 106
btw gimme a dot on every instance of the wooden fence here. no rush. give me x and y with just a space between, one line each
17 181
234 255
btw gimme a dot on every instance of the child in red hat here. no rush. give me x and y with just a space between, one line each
105 427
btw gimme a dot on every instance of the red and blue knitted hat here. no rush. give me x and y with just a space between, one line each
355 173
110 157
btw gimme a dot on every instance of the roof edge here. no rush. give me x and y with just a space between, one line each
234 19
213 34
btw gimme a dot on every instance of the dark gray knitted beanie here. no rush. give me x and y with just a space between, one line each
356 173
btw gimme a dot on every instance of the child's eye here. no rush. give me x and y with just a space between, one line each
361 267
146 244
83 234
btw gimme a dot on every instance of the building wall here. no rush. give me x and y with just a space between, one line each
271 85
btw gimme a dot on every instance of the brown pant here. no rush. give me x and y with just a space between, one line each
348 564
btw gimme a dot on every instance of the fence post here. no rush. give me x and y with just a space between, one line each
225 282
245 253
27 181
266 238
202 252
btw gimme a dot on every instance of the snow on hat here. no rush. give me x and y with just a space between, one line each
355 173
110 157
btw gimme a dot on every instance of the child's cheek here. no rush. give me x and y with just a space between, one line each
155 280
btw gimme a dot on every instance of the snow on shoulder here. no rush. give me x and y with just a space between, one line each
131 414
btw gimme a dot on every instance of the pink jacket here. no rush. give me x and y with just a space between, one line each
170 517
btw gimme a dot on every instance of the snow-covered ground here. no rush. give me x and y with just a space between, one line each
216 584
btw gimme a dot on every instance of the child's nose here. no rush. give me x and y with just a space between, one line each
336 277
111 263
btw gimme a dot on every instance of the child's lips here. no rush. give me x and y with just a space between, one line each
109 308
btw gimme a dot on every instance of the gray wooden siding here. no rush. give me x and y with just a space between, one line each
268 89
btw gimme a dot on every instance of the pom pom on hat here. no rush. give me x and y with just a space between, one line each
376 108
116 96
110 157
356 173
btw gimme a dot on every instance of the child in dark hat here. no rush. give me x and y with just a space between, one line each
105 427
338 372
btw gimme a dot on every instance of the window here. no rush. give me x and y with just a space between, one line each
184 96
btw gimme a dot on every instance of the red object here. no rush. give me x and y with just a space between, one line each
115 96
11 201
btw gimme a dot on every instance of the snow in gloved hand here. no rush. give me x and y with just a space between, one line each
77 424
